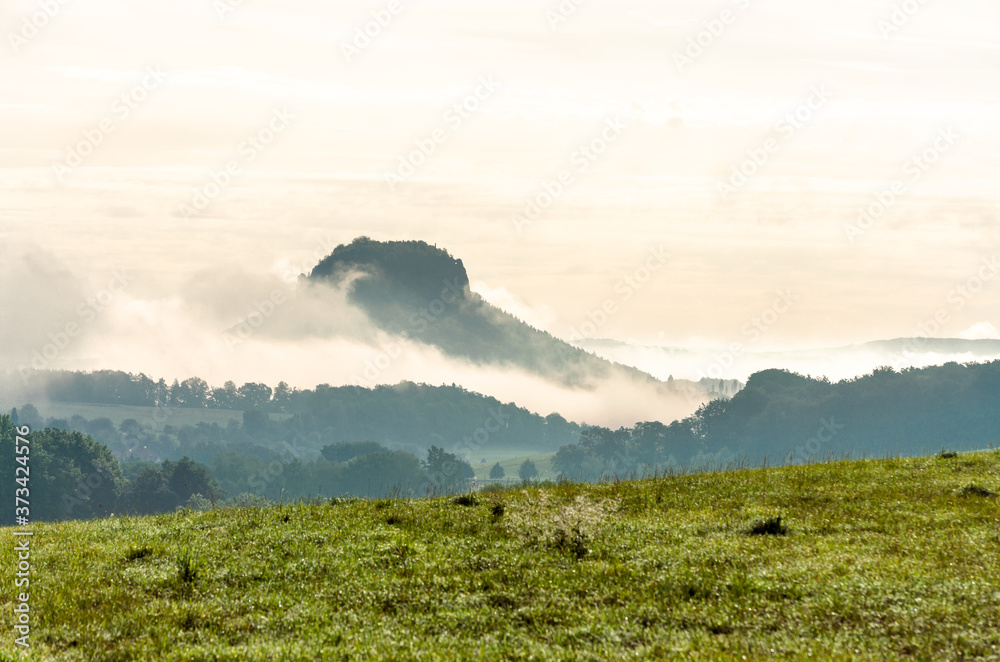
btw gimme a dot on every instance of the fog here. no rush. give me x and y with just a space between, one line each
227 324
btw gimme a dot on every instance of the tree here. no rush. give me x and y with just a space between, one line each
527 470
282 398
29 416
576 462
161 393
186 478
130 428
196 392
496 473
255 422
149 493
382 474
72 476
447 472
255 396
226 397
344 451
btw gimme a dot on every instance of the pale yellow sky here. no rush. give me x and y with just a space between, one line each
118 114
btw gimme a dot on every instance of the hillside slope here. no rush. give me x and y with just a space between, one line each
418 291
870 560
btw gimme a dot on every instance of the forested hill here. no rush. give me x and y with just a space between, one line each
786 416
407 415
419 291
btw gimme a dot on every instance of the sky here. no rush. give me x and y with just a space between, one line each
829 168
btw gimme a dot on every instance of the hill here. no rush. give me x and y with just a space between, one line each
836 363
418 291
865 560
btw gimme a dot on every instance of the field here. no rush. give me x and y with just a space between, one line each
543 463
176 416
860 560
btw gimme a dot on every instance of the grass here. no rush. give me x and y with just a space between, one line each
543 463
862 560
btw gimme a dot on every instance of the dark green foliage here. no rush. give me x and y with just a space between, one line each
447 473
977 491
137 554
71 475
344 451
527 470
496 471
187 478
784 418
573 541
769 526
416 415
465 500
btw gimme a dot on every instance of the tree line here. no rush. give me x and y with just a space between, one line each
781 417
72 476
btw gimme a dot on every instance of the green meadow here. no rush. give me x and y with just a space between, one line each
848 560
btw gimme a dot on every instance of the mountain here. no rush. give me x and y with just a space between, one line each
421 292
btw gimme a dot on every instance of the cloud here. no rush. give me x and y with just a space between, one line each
539 316
980 331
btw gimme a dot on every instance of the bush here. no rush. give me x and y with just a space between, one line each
770 526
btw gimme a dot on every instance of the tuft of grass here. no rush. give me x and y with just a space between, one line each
973 490
466 500
188 567
947 455
768 526
137 554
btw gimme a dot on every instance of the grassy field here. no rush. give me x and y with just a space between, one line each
543 463
866 560
176 416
